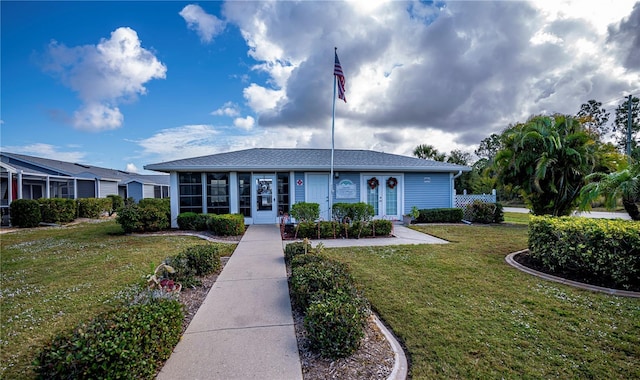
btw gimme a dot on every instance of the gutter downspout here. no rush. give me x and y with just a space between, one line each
453 189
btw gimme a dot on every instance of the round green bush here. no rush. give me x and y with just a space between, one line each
25 213
296 248
335 325
315 280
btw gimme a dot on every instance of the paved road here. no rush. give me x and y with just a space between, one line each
592 214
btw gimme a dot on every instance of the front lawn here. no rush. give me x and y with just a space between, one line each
462 312
53 278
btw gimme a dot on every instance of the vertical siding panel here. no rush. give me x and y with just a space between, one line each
299 196
108 188
434 192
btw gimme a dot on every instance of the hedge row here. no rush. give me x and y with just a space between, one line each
129 342
440 215
334 230
222 225
484 212
607 250
335 311
30 212
149 215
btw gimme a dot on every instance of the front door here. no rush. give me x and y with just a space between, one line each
264 199
318 192
383 192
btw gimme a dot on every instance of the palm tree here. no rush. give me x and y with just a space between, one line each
428 152
546 160
623 184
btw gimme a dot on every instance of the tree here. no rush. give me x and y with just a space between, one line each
428 152
463 182
620 126
488 147
546 159
594 118
623 184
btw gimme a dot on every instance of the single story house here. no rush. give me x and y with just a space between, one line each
263 184
29 177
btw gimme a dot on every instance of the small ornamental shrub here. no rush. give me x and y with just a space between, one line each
204 259
93 207
129 218
25 213
58 210
226 224
328 229
153 218
116 203
163 204
316 280
305 212
600 250
480 212
306 230
302 260
126 343
498 216
335 325
192 221
352 212
294 249
440 215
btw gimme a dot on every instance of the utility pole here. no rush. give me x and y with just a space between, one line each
629 130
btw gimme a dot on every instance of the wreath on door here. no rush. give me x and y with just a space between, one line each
392 182
373 183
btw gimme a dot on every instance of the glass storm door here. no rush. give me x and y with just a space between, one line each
265 206
383 193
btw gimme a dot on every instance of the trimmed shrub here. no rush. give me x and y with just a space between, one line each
204 259
294 249
192 221
352 212
94 207
480 212
129 218
128 343
226 224
163 204
305 212
440 215
306 230
315 280
498 216
153 218
58 210
116 203
25 213
605 250
302 260
335 325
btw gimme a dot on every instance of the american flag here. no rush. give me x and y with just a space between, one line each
337 71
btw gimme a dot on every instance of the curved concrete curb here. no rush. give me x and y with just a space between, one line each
622 293
400 366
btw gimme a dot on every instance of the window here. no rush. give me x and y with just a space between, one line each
244 194
190 192
283 193
217 193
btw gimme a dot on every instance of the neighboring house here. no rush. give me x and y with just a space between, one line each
263 184
28 177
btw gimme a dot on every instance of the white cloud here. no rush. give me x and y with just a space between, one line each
132 168
261 98
228 109
104 75
446 74
207 26
46 151
181 142
246 123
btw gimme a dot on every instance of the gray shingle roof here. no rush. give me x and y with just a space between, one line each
46 166
305 160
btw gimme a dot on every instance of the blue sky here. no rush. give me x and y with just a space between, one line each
125 84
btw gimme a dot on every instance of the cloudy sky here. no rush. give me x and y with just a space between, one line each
125 84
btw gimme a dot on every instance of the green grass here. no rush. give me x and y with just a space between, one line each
462 312
517 218
53 278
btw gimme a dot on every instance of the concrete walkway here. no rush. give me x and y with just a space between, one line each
244 329
402 235
586 214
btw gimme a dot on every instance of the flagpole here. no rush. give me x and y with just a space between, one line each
333 124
